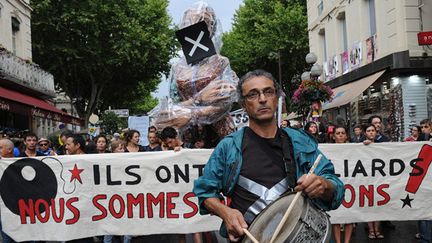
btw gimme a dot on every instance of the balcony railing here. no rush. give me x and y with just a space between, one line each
26 74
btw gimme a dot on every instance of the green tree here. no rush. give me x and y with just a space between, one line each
101 51
263 31
111 123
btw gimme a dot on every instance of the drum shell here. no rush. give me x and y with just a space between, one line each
306 223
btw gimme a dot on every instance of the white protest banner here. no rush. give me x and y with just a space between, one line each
69 197
383 181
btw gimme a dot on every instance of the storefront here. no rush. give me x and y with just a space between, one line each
20 112
402 97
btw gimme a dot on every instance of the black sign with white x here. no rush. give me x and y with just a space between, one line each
196 43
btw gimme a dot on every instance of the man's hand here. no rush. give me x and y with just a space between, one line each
235 223
233 219
367 142
315 187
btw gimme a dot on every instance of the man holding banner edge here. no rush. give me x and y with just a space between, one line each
267 153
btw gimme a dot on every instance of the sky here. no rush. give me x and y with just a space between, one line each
224 9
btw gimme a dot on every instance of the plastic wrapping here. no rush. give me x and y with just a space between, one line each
202 93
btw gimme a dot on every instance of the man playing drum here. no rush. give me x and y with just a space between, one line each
257 164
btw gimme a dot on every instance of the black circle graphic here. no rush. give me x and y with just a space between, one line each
13 186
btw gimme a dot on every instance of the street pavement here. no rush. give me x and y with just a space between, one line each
403 233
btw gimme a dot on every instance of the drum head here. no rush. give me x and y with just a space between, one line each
264 225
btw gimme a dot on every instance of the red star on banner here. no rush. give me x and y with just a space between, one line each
76 174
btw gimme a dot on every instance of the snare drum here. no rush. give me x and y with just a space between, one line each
306 223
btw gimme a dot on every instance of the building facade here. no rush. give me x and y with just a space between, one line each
26 90
373 60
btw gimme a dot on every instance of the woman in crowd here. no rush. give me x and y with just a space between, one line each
312 129
340 136
374 227
117 146
132 141
415 132
101 144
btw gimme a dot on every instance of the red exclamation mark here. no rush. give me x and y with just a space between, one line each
416 176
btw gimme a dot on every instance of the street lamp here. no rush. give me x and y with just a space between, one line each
316 69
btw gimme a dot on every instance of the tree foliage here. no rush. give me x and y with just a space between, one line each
111 123
264 29
101 51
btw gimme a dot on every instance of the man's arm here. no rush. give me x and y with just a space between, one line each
233 219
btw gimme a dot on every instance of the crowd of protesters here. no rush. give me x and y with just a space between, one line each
369 133
168 138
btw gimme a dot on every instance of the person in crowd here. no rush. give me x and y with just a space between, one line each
101 142
425 226
44 147
169 136
426 130
6 151
415 133
285 123
374 227
132 141
116 137
152 129
6 148
117 146
153 143
312 129
199 143
377 122
30 141
261 155
340 136
358 134
61 150
75 144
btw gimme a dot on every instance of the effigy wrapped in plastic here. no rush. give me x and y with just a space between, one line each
203 92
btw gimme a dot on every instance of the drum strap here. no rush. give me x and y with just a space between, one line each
290 165
266 195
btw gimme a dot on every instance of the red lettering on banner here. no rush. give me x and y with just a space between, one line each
151 200
134 201
353 195
190 204
60 217
170 205
112 210
42 210
38 204
26 209
384 194
73 209
365 193
369 193
100 207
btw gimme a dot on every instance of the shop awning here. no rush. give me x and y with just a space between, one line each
346 93
12 100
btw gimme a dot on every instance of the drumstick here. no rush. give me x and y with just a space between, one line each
250 236
294 201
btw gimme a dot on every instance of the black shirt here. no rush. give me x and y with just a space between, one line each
262 163
140 149
147 148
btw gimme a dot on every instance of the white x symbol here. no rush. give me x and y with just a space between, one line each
196 43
